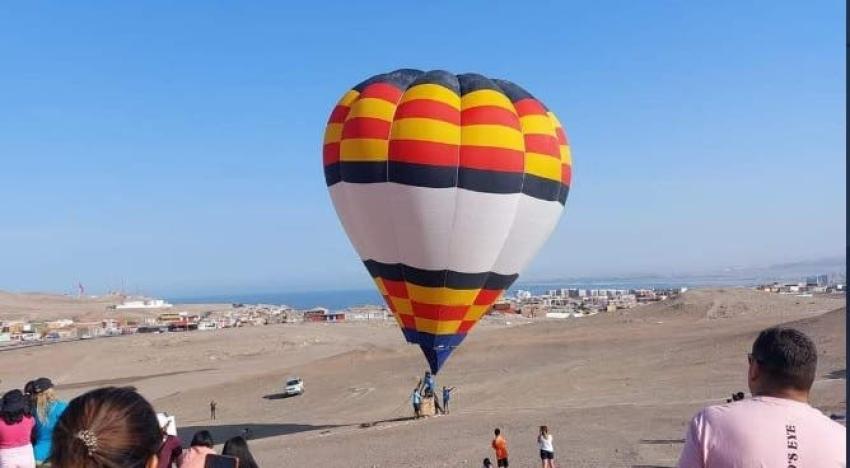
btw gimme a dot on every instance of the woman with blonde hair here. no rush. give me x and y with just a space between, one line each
547 450
47 410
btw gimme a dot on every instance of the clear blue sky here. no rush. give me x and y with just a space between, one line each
177 145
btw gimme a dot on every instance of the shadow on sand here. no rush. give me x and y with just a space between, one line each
278 396
125 380
382 421
837 374
250 431
661 441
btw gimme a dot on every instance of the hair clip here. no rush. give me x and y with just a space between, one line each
89 439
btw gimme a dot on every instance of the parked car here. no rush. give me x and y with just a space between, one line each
293 386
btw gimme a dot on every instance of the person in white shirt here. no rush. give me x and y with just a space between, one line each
547 450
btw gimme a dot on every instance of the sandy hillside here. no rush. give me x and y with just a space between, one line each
38 306
616 389
45 307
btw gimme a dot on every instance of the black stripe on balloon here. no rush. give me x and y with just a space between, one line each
562 197
479 180
401 79
363 172
542 188
390 271
497 281
332 174
513 91
470 82
422 175
440 77
439 278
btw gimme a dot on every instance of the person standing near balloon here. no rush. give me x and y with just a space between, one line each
429 384
500 445
429 390
447 393
416 400
547 449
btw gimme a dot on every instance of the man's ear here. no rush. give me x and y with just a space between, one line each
153 461
754 372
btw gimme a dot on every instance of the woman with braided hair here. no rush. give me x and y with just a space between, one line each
110 427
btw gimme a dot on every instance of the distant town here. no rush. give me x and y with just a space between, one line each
819 284
159 316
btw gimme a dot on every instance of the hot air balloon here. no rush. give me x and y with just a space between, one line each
447 186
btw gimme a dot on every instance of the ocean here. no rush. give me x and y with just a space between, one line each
341 299
333 300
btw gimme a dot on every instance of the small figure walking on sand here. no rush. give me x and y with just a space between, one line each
547 449
500 445
213 404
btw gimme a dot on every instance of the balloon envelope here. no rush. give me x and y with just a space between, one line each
447 185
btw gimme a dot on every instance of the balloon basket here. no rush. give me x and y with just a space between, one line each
428 408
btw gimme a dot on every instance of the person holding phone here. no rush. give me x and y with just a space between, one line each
195 456
547 449
237 447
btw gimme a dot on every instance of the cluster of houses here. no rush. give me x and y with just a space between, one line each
555 303
164 319
816 284
19 331
574 302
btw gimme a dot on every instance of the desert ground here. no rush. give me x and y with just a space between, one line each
44 307
616 389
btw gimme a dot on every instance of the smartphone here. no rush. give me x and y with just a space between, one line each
220 461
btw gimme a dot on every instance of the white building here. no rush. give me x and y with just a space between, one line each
145 304
206 325
61 323
367 313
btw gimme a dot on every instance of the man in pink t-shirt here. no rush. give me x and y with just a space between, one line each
776 427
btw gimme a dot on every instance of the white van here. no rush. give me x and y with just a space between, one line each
293 386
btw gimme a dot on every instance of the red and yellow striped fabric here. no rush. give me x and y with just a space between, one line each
434 129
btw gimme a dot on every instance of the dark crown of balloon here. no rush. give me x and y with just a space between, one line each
464 83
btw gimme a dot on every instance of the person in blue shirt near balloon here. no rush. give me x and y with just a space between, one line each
416 399
447 394
429 389
48 409
429 383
